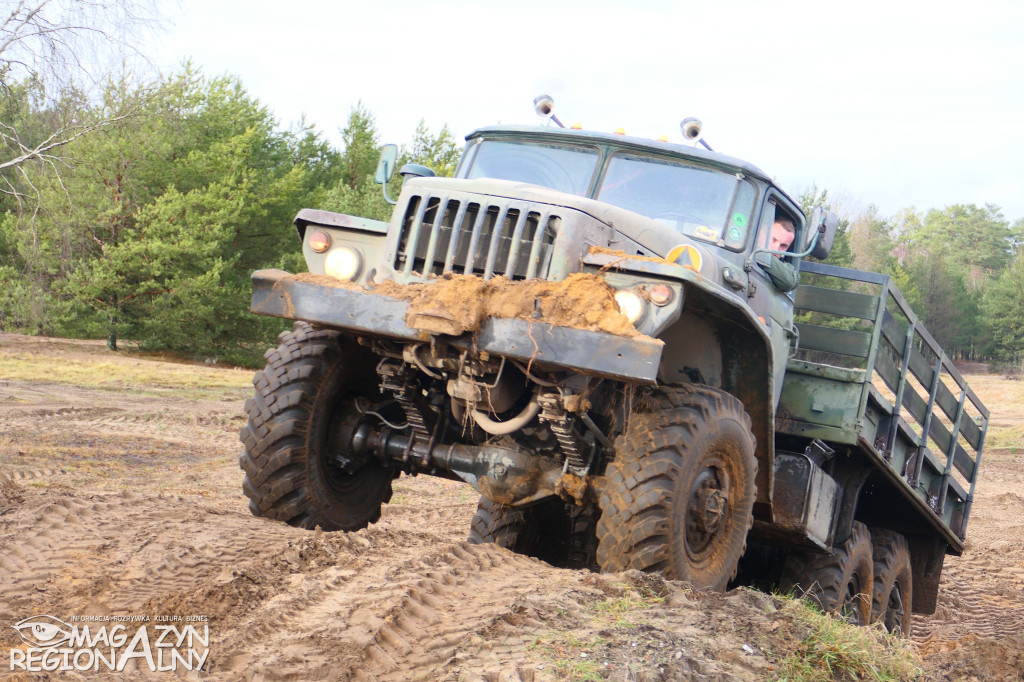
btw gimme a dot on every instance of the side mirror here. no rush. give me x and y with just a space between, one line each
386 164
415 170
821 232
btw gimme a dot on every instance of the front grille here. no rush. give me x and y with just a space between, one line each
487 238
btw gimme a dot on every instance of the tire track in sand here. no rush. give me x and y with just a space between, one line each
447 597
329 588
113 553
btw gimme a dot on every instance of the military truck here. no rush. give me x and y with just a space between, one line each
765 418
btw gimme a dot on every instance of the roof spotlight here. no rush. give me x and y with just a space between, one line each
692 127
545 106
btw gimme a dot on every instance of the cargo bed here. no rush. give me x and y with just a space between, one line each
869 376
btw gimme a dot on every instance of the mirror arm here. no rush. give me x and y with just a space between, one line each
750 259
384 187
810 247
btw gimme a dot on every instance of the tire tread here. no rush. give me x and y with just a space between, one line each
637 501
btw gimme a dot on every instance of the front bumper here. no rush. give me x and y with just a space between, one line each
277 294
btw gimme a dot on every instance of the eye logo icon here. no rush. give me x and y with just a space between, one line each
43 631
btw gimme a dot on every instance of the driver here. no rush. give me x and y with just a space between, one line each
782 235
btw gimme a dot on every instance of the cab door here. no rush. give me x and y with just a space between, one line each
769 299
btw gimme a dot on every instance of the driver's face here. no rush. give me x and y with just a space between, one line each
782 235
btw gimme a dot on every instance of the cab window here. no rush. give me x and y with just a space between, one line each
778 229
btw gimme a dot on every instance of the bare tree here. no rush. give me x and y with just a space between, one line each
66 47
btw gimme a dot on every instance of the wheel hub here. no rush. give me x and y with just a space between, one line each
894 613
346 441
706 509
710 510
851 606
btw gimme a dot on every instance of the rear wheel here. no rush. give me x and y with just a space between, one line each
303 412
559 533
892 596
839 583
679 495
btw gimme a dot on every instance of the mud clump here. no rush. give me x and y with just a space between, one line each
605 251
10 492
455 304
324 281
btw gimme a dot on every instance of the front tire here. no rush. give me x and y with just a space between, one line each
305 396
839 583
679 495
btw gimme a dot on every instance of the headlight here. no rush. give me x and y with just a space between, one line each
631 304
344 263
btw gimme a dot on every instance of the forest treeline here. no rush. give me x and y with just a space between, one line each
146 229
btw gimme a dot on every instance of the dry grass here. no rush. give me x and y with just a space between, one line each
87 458
816 646
1005 400
120 373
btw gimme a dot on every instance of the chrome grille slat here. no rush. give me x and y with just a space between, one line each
492 248
538 241
474 241
453 240
517 238
435 234
414 233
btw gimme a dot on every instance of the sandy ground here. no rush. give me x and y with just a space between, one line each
125 501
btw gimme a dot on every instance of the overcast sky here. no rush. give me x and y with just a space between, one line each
893 103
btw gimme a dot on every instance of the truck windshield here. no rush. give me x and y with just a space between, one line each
564 168
702 202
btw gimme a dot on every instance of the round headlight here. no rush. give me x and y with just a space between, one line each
631 304
319 241
344 262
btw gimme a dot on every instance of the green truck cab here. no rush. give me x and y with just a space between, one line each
771 419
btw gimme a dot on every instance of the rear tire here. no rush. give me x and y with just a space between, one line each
506 527
561 534
679 495
839 583
304 397
892 596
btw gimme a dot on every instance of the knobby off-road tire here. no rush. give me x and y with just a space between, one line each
679 495
306 390
506 527
839 583
892 596
561 534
